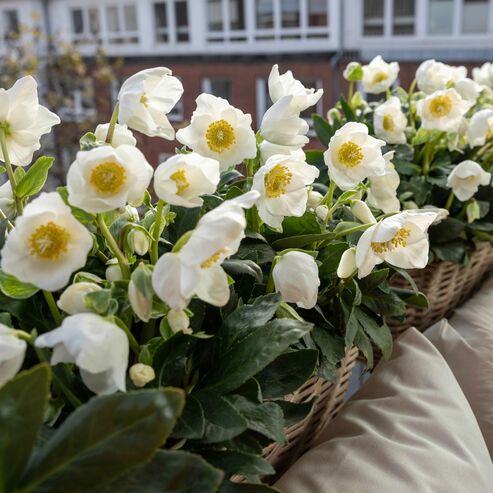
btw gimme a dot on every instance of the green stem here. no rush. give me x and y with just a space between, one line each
55 312
10 171
328 201
350 92
450 199
157 231
4 218
427 159
115 249
409 104
113 121
349 231
270 282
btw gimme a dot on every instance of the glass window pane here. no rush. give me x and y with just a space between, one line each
404 20
265 14
373 17
112 20
221 88
11 23
181 12
77 21
290 13
161 22
215 15
237 15
441 17
475 16
94 26
130 16
317 13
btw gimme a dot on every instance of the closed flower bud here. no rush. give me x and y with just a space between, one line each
347 265
131 213
353 72
322 211
141 305
72 299
140 242
314 199
179 322
332 115
113 273
362 212
473 212
141 374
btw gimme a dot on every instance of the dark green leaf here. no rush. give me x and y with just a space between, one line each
191 423
322 129
374 279
306 224
363 343
228 487
235 267
379 334
447 230
301 240
294 412
233 462
453 251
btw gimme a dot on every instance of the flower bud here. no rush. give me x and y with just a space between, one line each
139 242
362 212
131 213
113 273
353 72
347 264
409 204
141 305
332 115
473 211
322 211
314 199
141 374
72 299
179 322
357 101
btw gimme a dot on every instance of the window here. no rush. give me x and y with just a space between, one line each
226 20
236 15
373 19
264 12
177 10
161 22
85 25
403 17
181 18
441 17
121 24
215 15
290 13
10 24
317 13
475 14
218 86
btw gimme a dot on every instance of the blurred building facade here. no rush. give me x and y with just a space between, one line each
227 47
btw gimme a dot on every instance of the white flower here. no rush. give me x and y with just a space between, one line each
484 75
362 212
468 89
24 120
282 183
268 149
401 240
287 85
113 272
390 122
433 76
442 110
98 347
382 190
219 131
12 353
466 178
183 178
7 202
47 244
378 76
295 276
283 125
141 305
347 265
106 178
196 268
480 127
178 321
146 98
139 241
353 156
314 199
121 136
72 299
141 374
321 211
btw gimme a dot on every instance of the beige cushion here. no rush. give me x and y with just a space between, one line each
409 429
466 343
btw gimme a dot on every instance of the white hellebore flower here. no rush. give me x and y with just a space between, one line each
401 240
287 85
347 264
196 268
121 136
434 76
219 131
72 299
47 244
484 75
146 98
282 183
106 178
268 149
7 201
12 353
183 178
23 120
382 190
141 374
378 75
480 128
466 178
443 110
468 89
353 156
390 122
295 276
98 347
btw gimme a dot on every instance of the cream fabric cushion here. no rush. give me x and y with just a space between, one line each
466 343
409 429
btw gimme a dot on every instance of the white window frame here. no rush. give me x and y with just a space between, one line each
171 29
207 84
122 33
86 36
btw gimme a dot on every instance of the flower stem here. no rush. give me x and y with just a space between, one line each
113 121
450 200
346 232
409 104
10 171
157 232
115 249
55 312
328 201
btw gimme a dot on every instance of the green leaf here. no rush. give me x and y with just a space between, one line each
295 412
331 346
330 256
287 373
13 288
191 423
379 334
363 343
453 251
246 488
169 471
89 141
246 358
23 402
306 224
234 462
235 267
222 420
323 129
102 439
347 110
301 240
352 325
447 230
33 181
373 280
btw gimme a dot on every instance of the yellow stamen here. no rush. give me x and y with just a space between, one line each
380 77
277 180
108 178
388 123
350 154
440 106
220 136
212 260
49 241
144 100
399 240
181 181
